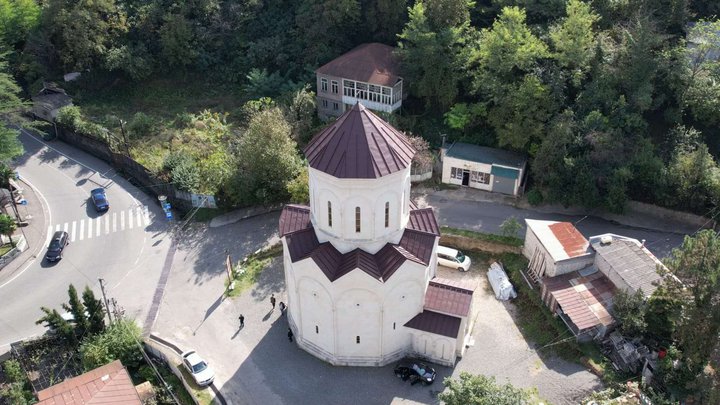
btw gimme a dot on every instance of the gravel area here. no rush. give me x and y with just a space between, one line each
501 350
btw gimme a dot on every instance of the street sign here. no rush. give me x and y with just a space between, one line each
166 206
168 215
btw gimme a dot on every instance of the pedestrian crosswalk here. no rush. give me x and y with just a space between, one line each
110 222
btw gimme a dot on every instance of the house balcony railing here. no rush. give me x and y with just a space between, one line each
373 105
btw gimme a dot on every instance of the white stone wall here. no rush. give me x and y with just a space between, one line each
437 348
450 162
345 195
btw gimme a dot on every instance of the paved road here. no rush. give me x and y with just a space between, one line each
486 216
126 245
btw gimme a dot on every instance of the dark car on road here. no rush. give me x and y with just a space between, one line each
100 200
57 245
415 373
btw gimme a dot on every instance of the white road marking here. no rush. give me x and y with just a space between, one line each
89 228
122 220
65 227
72 234
130 218
114 229
50 232
98 221
139 217
82 229
107 224
147 215
57 227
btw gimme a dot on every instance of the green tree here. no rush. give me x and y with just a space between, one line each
120 341
325 28
77 309
17 19
511 227
95 311
298 188
431 58
699 90
574 38
10 106
384 19
472 389
14 390
300 113
177 40
695 177
55 322
267 159
7 227
629 311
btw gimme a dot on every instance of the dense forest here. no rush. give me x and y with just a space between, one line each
611 99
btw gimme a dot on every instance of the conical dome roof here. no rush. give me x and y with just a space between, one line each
359 145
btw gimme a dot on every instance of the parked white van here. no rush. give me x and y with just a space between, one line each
453 258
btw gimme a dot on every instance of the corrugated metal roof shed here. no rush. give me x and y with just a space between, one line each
483 154
372 63
561 239
634 264
359 145
586 300
437 323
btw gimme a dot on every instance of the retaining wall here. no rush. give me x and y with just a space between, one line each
467 243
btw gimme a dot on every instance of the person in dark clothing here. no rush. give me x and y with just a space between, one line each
272 301
282 307
290 334
242 320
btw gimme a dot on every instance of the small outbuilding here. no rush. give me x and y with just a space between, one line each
48 102
484 168
555 248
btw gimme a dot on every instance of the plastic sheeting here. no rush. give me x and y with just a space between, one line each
500 283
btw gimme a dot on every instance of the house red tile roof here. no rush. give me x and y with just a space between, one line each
423 220
570 238
302 243
359 145
294 218
109 384
371 63
448 297
586 300
437 323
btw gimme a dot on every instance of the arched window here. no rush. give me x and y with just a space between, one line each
329 214
357 219
387 214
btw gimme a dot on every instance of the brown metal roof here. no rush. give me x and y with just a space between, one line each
359 145
570 238
294 218
586 300
109 384
424 220
371 63
419 244
301 243
433 322
442 296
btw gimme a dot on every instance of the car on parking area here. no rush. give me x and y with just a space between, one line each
453 258
100 200
415 373
198 368
57 245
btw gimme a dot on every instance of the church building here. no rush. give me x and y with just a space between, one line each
360 261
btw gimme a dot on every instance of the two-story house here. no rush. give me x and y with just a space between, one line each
368 74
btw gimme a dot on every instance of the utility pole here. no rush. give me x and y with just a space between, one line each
125 141
105 300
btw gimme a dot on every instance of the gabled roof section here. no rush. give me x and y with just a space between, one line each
449 297
561 239
586 300
109 384
372 63
423 220
437 323
359 145
633 263
294 218
419 244
301 243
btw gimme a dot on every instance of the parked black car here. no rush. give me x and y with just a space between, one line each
416 373
57 244
100 200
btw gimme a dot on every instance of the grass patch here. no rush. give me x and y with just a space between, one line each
535 320
200 393
489 237
5 248
247 271
206 214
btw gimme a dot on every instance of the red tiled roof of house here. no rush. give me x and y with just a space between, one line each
433 322
424 220
109 384
372 63
294 218
570 238
448 297
359 145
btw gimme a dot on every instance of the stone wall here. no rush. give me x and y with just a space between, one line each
466 243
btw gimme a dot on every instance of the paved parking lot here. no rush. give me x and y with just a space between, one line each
257 364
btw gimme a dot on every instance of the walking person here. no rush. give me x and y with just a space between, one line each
290 334
242 321
282 307
272 301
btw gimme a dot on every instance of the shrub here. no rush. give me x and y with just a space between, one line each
142 125
69 117
118 342
535 197
183 171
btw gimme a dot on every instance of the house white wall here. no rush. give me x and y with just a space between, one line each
437 348
554 268
370 195
450 162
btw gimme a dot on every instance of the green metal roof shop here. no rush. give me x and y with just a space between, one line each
484 168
